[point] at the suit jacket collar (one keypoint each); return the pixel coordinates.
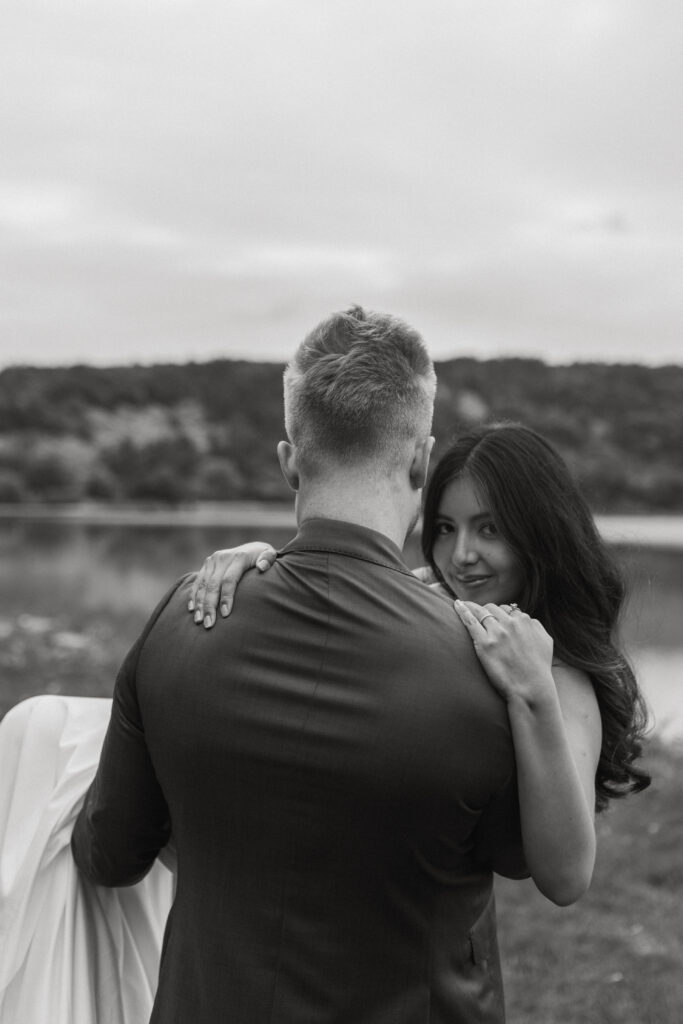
(341, 538)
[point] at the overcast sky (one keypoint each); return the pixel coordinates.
(190, 180)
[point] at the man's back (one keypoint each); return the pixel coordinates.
(326, 755)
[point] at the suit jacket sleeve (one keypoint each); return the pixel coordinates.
(498, 836)
(125, 820)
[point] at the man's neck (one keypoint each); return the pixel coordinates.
(374, 511)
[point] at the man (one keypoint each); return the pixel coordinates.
(336, 771)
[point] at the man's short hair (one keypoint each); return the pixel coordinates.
(360, 388)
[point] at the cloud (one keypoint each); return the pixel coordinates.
(186, 180)
(40, 207)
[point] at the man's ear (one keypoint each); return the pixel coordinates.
(420, 464)
(286, 454)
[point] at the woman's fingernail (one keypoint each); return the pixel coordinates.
(262, 565)
(197, 616)
(190, 605)
(225, 608)
(208, 621)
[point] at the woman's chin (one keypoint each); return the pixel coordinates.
(480, 595)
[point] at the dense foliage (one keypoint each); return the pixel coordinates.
(208, 431)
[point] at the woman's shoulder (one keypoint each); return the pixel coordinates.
(570, 676)
(577, 697)
(567, 671)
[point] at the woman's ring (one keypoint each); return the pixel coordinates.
(513, 608)
(489, 616)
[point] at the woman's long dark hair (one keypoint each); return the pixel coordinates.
(573, 585)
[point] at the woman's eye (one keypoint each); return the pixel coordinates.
(488, 530)
(443, 528)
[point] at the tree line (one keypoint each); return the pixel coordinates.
(207, 431)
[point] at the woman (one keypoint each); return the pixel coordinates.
(569, 580)
(508, 535)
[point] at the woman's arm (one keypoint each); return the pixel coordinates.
(556, 730)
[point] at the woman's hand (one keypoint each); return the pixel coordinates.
(515, 651)
(219, 575)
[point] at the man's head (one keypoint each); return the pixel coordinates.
(359, 398)
(359, 390)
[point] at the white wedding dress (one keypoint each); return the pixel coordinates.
(70, 952)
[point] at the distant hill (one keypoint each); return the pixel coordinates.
(208, 431)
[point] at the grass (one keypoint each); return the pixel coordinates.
(614, 958)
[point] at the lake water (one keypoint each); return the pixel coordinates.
(74, 595)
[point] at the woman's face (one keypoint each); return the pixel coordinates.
(472, 557)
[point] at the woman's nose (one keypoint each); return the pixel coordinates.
(464, 552)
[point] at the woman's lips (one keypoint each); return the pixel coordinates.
(471, 581)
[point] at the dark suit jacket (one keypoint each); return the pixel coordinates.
(338, 775)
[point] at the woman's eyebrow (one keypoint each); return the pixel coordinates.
(474, 519)
(485, 514)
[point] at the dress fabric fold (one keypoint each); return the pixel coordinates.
(70, 952)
